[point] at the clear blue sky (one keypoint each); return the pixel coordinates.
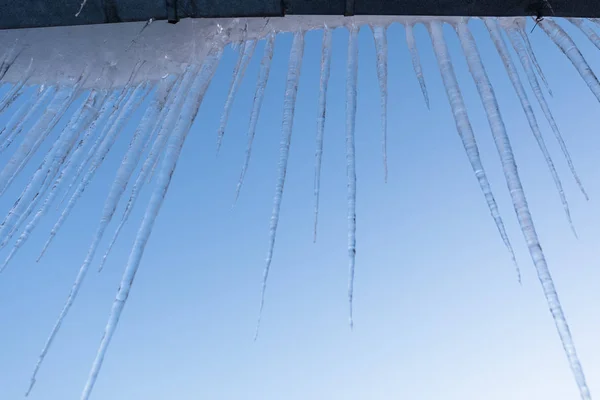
(438, 311)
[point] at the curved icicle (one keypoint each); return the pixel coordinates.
(515, 79)
(351, 82)
(531, 54)
(379, 34)
(289, 105)
(321, 112)
(517, 45)
(416, 60)
(176, 140)
(464, 129)
(174, 104)
(238, 74)
(589, 32)
(129, 108)
(509, 166)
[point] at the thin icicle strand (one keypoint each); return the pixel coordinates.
(589, 32)
(238, 74)
(351, 82)
(464, 129)
(80, 120)
(380, 36)
(569, 48)
(289, 106)
(416, 60)
(519, 48)
(259, 94)
(16, 90)
(173, 106)
(321, 112)
(129, 108)
(531, 54)
(173, 150)
(515, 79)
(488, 98)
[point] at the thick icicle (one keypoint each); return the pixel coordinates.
(531, 54)
(351, 82)
(569, 48)
(173, 150)
(259, 94)
(173, 106)
(515, 79)
(238, 74)
(416, 60)
(321, 112)
(464, 129)
(76, 125)
(289, 105)
(589, 32)
(379, 34)
(509, 166)
(517, 44)
(129, 108)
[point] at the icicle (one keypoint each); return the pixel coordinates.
(379, 34)
(464, 129)
(351, 82)
(517, 44)
(9, 60)
(25, 112)
(130, 162)
(488, 98)
(80, 8)
(289, 105)
(259, 93)
(173, 106)
(176, 140)
(129, 108)
(515, 79)
(569, 48)
(589, 32)
(238, 74)
(16, 90)
(416, 60)
(531, 55)
(79, 121)
(322, 110)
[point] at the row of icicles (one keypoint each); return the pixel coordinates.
(91, 131)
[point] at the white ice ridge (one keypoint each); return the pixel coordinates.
(112, 68)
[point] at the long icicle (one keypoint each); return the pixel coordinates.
(513, 181)
(289, 106)
(173, 107)
(78, 123)
(569, 49)
(173, 150)
(464, 129)
(520, 27)
(380, 36)
(16, 90)
(321, 112)
(351, 82)
(589, 32)
(129, 108)
(416, 60)
(259, 94)
(517, 45)
(238, 75)
(492, 27)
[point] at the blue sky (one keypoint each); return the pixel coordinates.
(438, 311)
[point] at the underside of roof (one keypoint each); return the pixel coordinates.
(43, 13)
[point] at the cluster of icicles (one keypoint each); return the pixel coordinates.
(91, 131)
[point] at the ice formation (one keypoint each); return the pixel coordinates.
(175, 72)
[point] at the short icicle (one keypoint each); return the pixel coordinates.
(464, 129)
(238, 74)
(173, 150)
(321, 112)
(509, 166)
(416, 60)
(16, 90)
(520, 27)
(289, 105)
(381, 52)
(351, 83)
(519, 48)
(587, 31)
(492, 27)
